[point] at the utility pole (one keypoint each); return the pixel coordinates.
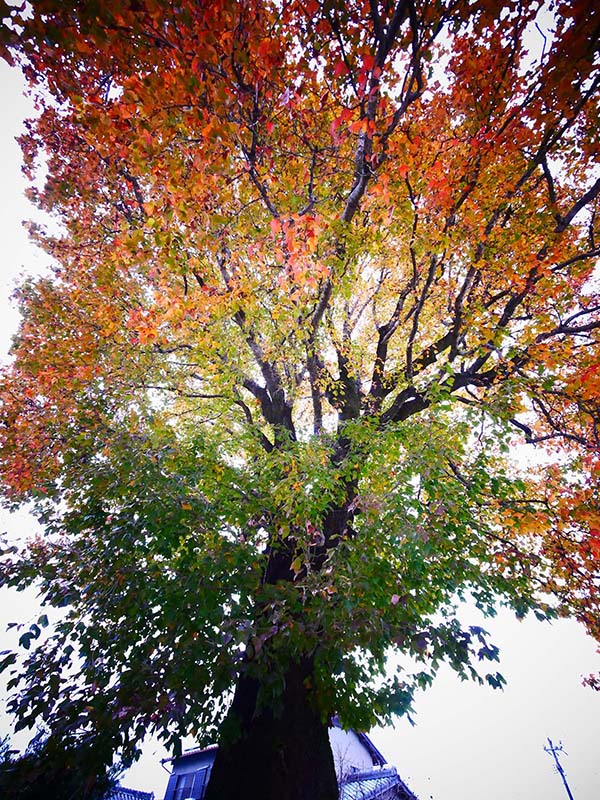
(553, 750)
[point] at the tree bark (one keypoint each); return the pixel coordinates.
(274, 756)
(280, 753)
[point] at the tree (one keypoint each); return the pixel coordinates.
(80, 769)
(318, 267)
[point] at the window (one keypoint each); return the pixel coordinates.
(191, 785)
(183, 787)
(200, 782)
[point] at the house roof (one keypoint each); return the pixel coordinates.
(122, 793)
(376, 784)
(192, 751)
(378, 758)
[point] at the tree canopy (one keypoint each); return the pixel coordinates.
(319, 269)
(58, 770)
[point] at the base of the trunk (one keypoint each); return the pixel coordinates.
(284, 756)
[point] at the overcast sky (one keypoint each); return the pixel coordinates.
(469, 742)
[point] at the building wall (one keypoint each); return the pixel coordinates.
(349, 753)
(190, 776)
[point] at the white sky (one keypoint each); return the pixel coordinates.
(469, 743)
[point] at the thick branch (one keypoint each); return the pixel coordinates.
(564, 222)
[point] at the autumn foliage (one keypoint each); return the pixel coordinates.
(317, 356)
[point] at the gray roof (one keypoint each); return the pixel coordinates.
(376, 784)
(122, 793)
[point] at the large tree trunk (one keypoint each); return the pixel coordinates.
(283, 753)
(274, 756)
